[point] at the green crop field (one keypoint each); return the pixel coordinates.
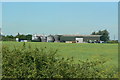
(102, 59)
(77, 51)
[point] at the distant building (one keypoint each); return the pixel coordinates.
(68, 38)
(39, 38)
(50, 38)
(80, 38)
(17, 39)
(21, 40)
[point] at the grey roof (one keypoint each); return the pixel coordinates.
(84, 35)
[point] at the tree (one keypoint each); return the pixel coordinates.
(104, 35)
(25, 37)
(93, 33)
(8, 38)
(20, 36)
(29, 37)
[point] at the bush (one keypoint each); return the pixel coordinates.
(30, 62)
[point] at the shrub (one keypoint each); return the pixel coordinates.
(30, 62)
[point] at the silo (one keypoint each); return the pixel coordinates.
(36, 38)
(50, 38)
(57, 38)
(43, 38)
(39, 39)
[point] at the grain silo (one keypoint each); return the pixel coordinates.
(36, 38)
(57, 38)
(50, 38)
(43, 39)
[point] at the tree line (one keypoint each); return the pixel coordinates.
(13, 38)
(104, 35)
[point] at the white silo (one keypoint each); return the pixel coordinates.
(50, 38)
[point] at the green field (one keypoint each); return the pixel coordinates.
(80, 51)
(37, 59)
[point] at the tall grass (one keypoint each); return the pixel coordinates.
(27, 62)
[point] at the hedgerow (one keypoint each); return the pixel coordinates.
(27, 62)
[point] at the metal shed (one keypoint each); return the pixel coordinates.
(85, 38)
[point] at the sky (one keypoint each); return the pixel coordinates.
(59, 18)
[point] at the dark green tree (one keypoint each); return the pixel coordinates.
(22, 36)
(104, 35)
(29, 37)
(93, 33)
(8, 38)
(13, 38)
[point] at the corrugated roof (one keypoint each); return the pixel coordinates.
(84, 35)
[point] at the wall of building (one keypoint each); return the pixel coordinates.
(91, 38)
(73, 38)
(67, 38)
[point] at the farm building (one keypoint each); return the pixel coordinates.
(67, 38)
(80, 38)
(21, 40)
(39, 38)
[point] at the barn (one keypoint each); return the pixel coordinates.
(80, 38)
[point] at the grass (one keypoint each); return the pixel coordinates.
(98, 54)
(77, 51)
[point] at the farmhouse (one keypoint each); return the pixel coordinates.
(67, 38)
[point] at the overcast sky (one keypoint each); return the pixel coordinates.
(60, 17)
